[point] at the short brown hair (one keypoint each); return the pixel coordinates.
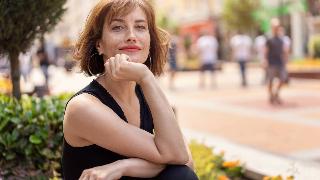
(85, 50)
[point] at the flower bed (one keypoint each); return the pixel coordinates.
(209, 165)
(305, 68)
(304, 65)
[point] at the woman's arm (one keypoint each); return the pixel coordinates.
(190, 162)
(167, 131)
(88, 120)
(132, 167)
(135, 167)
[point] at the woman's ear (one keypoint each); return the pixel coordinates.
(98, 47)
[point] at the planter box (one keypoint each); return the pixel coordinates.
(312, 74)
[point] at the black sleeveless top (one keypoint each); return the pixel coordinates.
(77, 159)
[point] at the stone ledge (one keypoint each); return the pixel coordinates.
(312, 74)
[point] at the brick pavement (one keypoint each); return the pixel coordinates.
(243, 115)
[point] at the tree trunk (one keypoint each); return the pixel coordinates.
(15, 73)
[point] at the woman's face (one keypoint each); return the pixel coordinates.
(126, 35)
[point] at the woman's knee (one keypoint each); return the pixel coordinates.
(176, 172)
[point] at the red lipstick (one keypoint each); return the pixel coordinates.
(130, 48)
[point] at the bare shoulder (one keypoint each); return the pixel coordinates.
(81, 103)
(84, 108)
(80, 111)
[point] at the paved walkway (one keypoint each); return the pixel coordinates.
(244, 115)
(285, 135)
(241, 116)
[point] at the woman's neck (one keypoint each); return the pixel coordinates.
(123, 91)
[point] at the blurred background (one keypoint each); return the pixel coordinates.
(226, 108)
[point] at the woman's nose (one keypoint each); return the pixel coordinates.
(131, 35)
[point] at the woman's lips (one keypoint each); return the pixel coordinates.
(130, 48)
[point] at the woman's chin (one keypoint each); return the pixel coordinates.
(136, 60)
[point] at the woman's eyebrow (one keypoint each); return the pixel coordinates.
(140, 21)
(116, 19)
(136, 21)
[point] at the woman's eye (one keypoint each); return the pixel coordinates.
(141, 27)
(117, 28)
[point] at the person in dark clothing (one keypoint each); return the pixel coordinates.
(44, 63)
(172, 58)
(276, 56)
(121, 125)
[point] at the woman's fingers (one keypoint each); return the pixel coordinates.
(83, 175)
(112, 67)
(125, 57)
(121, 68)
(117, 66)
(108, 67)
(92, 177)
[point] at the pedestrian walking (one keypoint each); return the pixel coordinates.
(241, 46)
(276, 60)
(172, 59)
(207, 47)
(259, 47)
(44, 63)
(25, 65)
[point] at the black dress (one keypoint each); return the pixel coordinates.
(77, 159)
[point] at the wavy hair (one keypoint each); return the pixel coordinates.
(91, 63)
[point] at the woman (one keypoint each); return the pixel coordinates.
(108, 126)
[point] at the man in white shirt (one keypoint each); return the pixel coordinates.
(241, 52)
(207, 46)
(259, 47)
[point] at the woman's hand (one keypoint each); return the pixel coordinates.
(111, 171)
(120, 68)
(132, 167)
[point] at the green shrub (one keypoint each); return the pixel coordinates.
(317, 49)
(211, 166)
(314, 46)
(31, 135)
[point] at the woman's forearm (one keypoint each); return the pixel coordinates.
(134, 167)
(168, 136)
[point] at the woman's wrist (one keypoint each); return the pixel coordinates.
(135, 167)
(120, 167)
(145, 77)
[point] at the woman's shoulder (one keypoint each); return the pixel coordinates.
(83, 112)
(84, 109)
(89, 94)
(82, 102)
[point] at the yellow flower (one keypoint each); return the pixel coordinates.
(230, 164)
(275, 178)
(223, 177)
(222, 153)
(290, 178)
(266, 178)
(5, 85)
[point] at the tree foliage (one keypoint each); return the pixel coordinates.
(238, 14)
(22, 21)
(266, 12)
